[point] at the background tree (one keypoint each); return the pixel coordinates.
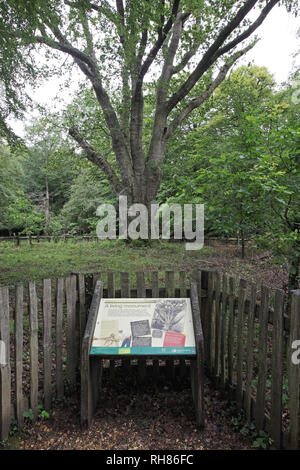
(21, 215)
(88, 189)
(10, 181)
(278, 173)
(50, 166)
(242, 161)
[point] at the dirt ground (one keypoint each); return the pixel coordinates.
(257, 266)
(133, 416)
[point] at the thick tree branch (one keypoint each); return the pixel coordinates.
(98, 159)
(187, 57)
(161, 38)
(215, 50)
(117, 136)
(158, 140)
(142, 46)
(121, 27)
(265, 11)
(196, 102)
(65, 47)
(88, 35)
(168, 63)
(136, 127)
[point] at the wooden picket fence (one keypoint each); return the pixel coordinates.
(248, 342)
(248, 339)
(42, 325)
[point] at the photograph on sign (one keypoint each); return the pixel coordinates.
(144, 326)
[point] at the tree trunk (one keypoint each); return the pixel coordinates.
(47, 207)
(243, 243)
(293, 282)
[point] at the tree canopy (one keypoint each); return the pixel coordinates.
(184, 47)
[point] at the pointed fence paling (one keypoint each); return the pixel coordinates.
(42, 325)
(248, 341)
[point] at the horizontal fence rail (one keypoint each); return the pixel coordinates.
(33, 239)
(248, 341)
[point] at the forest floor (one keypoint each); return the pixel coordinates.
(134, 416)
(52, 260)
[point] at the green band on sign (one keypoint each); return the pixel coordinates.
(96, 350)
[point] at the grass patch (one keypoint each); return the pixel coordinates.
(52, 260)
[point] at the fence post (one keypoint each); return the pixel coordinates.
(250, 350)
(217, 344)
(89, 367)
(231, 322)
(203, 309)
(5, 374)
(81, 306)
(71, 330)
(59, 337)
(262, 358)
(169, 282)
(47, 346)
(240, 342)
(294, 371)
(277, 350)
(208, 314)
(19, 353)
(223, 331)
(110, 284)
(197, 365)
(34, 348)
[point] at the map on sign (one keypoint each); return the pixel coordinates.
(144, 326)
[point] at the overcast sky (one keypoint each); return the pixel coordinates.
(275, 50)
(277, 45)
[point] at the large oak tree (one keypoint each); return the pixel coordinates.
(122, 45)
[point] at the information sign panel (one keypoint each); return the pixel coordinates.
(144, 327)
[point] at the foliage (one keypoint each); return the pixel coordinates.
(10, 180)
(278, 174)
(43, 415)
(242, 162)
(260, 439)
(183, 48)
(88, 191)
(28, 415)
(22, 215)
(263, 441)
(49, 163)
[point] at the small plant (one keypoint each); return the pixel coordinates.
(236, 422)
(238, 418)
(263, 441)
(44, 415)
(13, 427)
(248, 430)
(28, 415)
